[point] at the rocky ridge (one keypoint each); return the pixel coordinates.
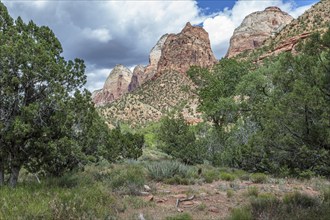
(191, 47)
(172, 53)
(114, 87)
(256, 28)
(315, 19)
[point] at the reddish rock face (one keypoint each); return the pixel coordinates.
(138, 78)
(174, 52)
(256, 28)
(188, 48)
(287, 45)
(114, 87)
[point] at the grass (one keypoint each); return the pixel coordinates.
(39, 201)
(293, 206)
(259, 178)
(169, 171)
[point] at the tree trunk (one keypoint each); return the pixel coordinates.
(14, 176)
(2, 173)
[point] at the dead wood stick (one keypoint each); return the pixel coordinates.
(183, 200)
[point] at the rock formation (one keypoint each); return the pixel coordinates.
(256, 28)
(114, 87)
(188, 48)
(154, 57)
(174, 52)
(138, 78)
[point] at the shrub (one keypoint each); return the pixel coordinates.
(227, 176)
(183, 216)
(210, 175)
(167, 169)
(230, 193)
(240, 214)
(177, 180)
(252, 191)
(298, 199)
(127, 179)
(259, 178)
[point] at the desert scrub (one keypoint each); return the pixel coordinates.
(227, 176)
(211, 175)
(183, 216)
(293, 206)
(230, 193)
(259, 178)
(42, 201)
(252, 191)
(162, 170)
(127, 179)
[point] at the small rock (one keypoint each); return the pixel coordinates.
(187, 203)
(141, 217)
(147, 188)
(214, 209)
(309, 188)
(180, 210)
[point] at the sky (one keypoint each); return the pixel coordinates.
(108, 32)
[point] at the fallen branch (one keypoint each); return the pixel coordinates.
(183, 200)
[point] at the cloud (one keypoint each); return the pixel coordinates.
(221, 27)
(106, 33)
(102, 35)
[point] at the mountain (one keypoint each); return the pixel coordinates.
(191, 47)
(114, 87)
(315, 19)
(172, 52)
(162, 85)
(256, 28)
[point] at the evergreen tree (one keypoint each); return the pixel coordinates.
(46, 119)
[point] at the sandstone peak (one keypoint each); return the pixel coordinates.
(114, 87)
(190, 47)
(256, 28)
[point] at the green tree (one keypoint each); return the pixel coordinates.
(129, 145)
(289, 102)
(44, 113)
(178, 140)
(219, 101)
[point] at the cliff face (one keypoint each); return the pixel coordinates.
(188, 48)
(256, 28)
(174, 52)
(114, 87)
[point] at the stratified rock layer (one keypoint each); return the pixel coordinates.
(191, 47)
(256, 28)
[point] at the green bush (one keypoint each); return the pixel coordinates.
(211, 175)
(183, 216)
(252, 191)
(230, 193)
(162, 170)
(259, 178)
(240, 214)
(298, 199)
(227, 176)
(177, 180)
(128, 179)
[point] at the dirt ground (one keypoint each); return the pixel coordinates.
(214, 200)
